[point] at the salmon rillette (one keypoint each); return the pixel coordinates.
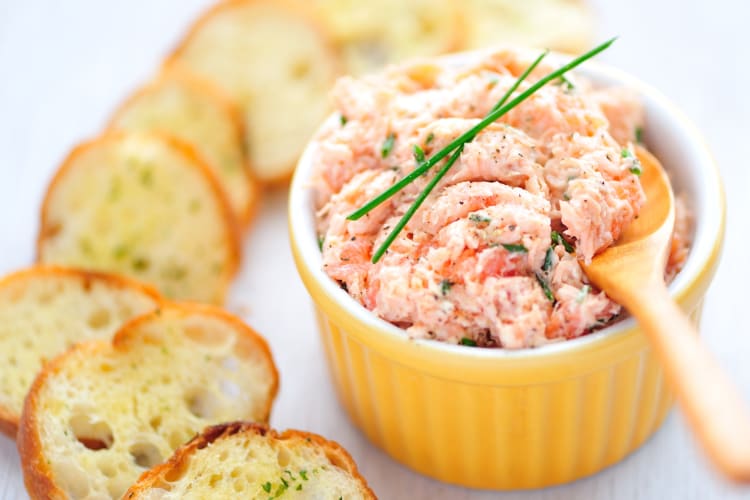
(492, 257)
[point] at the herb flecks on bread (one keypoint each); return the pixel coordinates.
(243, 460)
(278, 65)
(44, 310)
(104, 412)
(195, 111)
(143, 205)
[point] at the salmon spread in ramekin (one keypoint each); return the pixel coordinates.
(492, 256)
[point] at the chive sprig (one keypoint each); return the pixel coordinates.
(456, 145)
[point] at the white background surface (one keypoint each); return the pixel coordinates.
(64, 66)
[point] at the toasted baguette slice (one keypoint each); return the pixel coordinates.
(146, 206)
(44, 310)
(270, 57)
(243, 460)
(102, 413)
(372, 34)
(565, 25)
(197, 112)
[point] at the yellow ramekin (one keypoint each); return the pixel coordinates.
(500, 419)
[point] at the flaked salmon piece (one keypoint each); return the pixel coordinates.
(624, 112)
(459, 200)
(579, 310)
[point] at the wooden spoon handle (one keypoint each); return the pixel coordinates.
(713, 406)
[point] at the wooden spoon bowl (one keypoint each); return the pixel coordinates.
(631, 272)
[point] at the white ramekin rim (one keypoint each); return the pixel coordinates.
(680, 148)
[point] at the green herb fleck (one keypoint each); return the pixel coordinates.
(639, 135)
(321, 240)
(515, 248)
(280, 490)
(418, 154)
(115, 189)
(175, 272)
(267, 487)
(558, 239)
(467, 341)
(545, 288)
(563, 81)
(636, 168)
(583, 293)
(388, 145)
(147, 177)
(299, 487)
(445, 287)
(140, 264)
(303, 474)
(343, 119)
(283, 481)
(479, 218)
(84, 244)
(430, 138)
(548, 259)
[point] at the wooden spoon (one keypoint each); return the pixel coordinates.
(631, 272)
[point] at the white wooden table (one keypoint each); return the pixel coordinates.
(65, 65)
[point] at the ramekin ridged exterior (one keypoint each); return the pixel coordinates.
(500, 419)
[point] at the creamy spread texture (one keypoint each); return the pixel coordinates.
(491, 257)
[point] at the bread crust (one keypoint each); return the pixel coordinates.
(9, 419)
(203, 86)
(213, 433)
(300, 10)
(37, 473)
(194, 159)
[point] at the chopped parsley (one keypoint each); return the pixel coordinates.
(267, 487)
(548, 259)
(636, 168)
(445, 287)
(147, 177)
(430, 138)
(120, 251)
(343, 119)
(583, 293)
(321, 240)
(467, 341)
(564, 82)
(418, 154)
(140, 264)
(545, 288)
(558, 239)
(387, 145)
(299, 487)
(479, 218)
(303, 474)
(515, 248)
(639, 135)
